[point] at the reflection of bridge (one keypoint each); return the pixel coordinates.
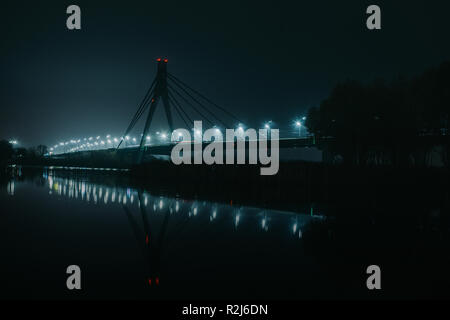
(158, 222)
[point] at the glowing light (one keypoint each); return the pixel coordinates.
(159, 59)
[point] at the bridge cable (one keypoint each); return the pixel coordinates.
(190, 104)
(180, 107)
(179, 112)
(172, 77)
(143, 105)
(200, 104)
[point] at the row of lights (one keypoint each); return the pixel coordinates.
(97, 143)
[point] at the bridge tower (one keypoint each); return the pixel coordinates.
(160, 93)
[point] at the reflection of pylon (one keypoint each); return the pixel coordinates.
(160, 92)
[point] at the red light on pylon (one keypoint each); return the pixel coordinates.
(146, 239)
(149, 281)
(166, 60)
(159, 59)
(157, 281)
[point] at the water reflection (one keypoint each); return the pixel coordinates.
(10, 187)
(161, 225)
(77, 187)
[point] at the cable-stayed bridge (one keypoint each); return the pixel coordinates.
(182, 102)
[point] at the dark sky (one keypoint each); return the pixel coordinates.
(263, 60)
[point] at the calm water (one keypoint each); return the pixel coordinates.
(123, 239)
(135, 243)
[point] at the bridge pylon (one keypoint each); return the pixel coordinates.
(160, 92)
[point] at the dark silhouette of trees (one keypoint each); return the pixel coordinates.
(6, 152)
(386, 124)
(41, 150)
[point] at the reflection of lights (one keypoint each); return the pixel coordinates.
(194, 211)
(264, 224)
(10, 187)
(177, 206)
(294, 228)
(236, 219)
(161, 204)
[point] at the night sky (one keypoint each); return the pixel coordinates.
(263, 60)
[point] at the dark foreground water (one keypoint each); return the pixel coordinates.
(134, 243)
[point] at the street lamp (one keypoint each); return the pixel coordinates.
(298, 124)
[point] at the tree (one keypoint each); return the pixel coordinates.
(41, 150)
(376, 123)
(6, 151)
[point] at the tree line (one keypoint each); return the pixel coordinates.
(8, 153)
(399, 123)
